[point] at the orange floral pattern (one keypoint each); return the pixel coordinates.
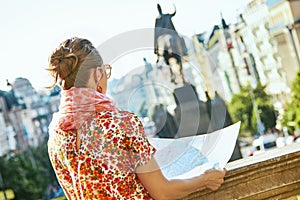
(112, 145)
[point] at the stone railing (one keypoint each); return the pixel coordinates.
(274, 174)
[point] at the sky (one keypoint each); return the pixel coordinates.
(32, 29)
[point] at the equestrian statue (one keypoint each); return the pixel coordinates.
(169, 45)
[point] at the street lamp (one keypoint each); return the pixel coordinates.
(290, 28)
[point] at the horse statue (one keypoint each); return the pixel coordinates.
(169, 45)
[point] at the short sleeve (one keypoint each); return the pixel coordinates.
(141, 151)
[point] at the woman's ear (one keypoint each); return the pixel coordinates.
(97, 74)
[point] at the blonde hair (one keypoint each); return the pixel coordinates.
(71, 61)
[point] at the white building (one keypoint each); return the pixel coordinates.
(246, 53)
(282, 17)
(259, 42)
(225, 66)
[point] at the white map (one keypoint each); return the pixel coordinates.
(191, 156)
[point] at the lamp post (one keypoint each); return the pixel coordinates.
(260, 125)
(290, 29)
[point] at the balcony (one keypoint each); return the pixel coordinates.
(274, 174)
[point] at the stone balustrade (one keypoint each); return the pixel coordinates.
(274, 174)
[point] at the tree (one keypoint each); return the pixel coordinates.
(292, 109)
(265, 107)
(241, 109)
(27, 179)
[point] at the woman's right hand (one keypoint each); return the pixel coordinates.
(214, 178)
(161, 188)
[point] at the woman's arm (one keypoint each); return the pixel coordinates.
(161, 188)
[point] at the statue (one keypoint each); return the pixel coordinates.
(169, 45)
(165, 123)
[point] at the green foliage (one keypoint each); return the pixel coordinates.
(241, 109)
(292, 109)
(28, 173)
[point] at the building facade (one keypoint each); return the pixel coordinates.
(257, 39)
(285, 32)
(246, 53)
(25, 116)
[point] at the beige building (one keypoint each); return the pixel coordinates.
(285, 32)
(259, 42)
(212, 78)
(247, 53)
(215, 63)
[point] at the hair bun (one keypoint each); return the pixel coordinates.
(68, 57)
(63, 64)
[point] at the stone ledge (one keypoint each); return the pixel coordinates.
(274, 174)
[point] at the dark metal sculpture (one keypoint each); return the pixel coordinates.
(165, 122)
(169, 45)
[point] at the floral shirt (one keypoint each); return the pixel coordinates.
(112, 145)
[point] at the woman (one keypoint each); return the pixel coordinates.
(97, 150)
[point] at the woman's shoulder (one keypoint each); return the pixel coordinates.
(121, 119)
(117, 115)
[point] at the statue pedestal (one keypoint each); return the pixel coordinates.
(196, 117)
(191, 113)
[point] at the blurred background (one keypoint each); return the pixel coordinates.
(242, 56)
